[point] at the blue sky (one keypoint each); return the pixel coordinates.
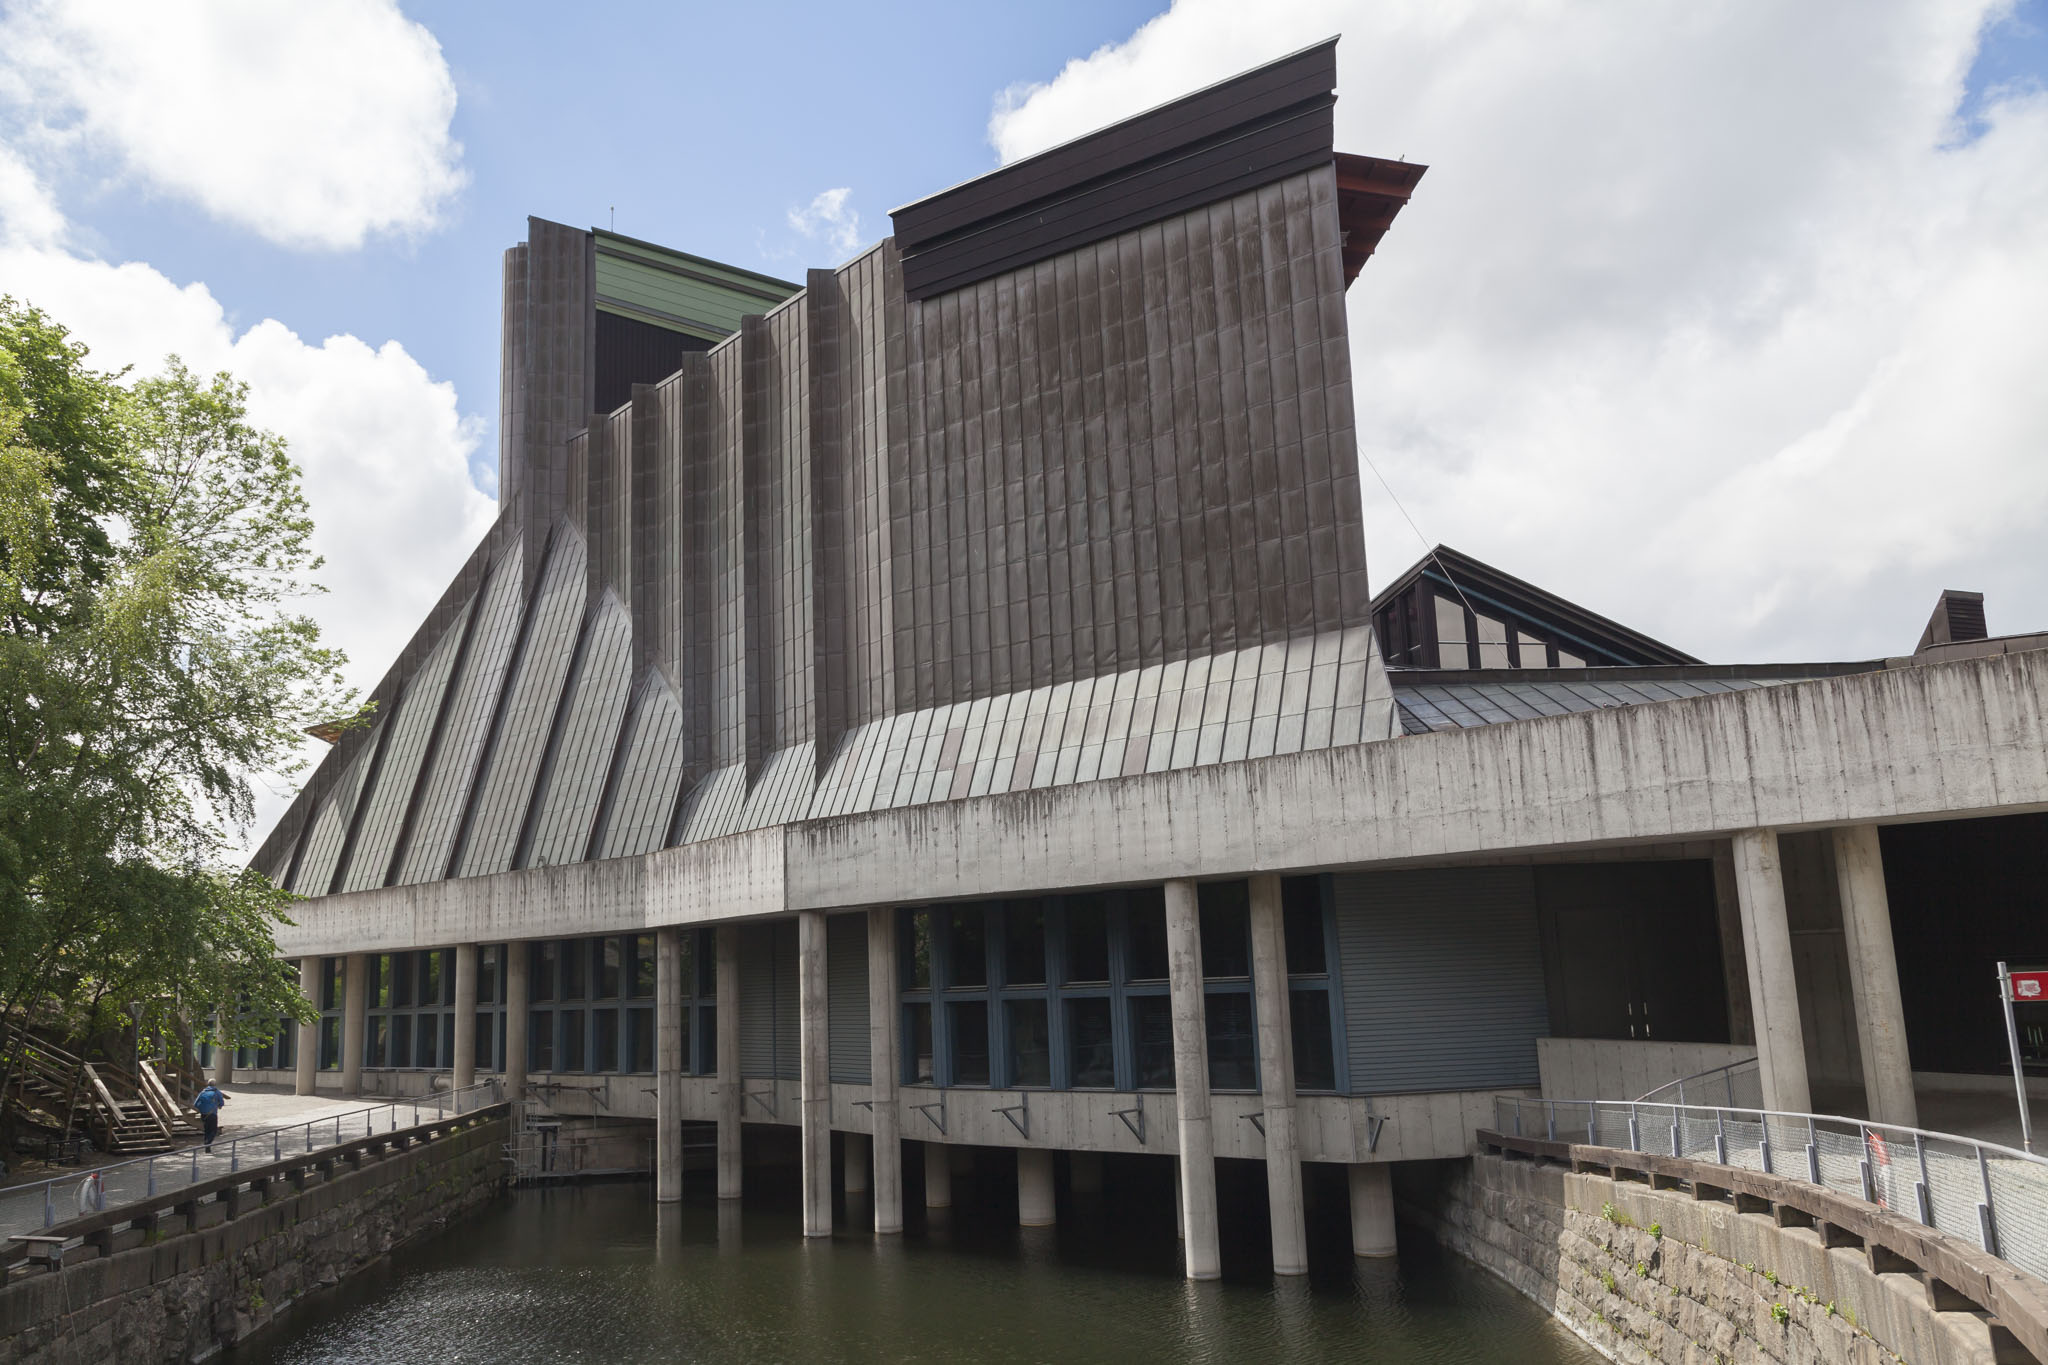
(703, 125)
(1725, 320)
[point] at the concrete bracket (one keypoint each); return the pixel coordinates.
(926, 1109)
(1019, 1115)
(1137, 1128)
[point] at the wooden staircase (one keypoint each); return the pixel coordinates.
(126, 1115)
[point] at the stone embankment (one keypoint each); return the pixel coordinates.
(1655, 1275)
(177, 1279)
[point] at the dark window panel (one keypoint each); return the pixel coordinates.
(540, 1040)
(966, 947)
(487, 975)
(607, 969)
(968, 1020)
(1087, 939)
(1226, 930)
(1091, 1055)
(1152, 1041)
(401, 1038)
(1315, 1058)
(542, 959)
(1146, 941)
(1024, 943)
(573, 1057)
(646, 963)
(1233, 1048)
(917, 952)
(917, 1044)
(486, 1034)
(1030, 1043)
(573, 959)
(640, 1039)
(1301, 903)
(604, 1027)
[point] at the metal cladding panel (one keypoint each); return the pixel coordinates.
(768, 1001)
(574, 782)
(1232, 136)
(391, 791)
(650, 774)
(315, 874)
(452, 767)
(1131, 453)
(712, 808)
(516, 751)
(631, 352)
(1442, 978)
(846, 989)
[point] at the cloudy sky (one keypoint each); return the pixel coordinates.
(1729, 321)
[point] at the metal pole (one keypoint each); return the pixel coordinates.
(1721, 1137)
(1635, 1132)
(1813, 1150)
(2012, 1041)
(1922, 1189)
(1987, 1218)
(152, 1178)
(49, 1210)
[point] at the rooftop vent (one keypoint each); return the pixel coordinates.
(1958, 616)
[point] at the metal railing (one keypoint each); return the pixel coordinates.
(32, 1207)
(1995, 1197)
(1731, 1083)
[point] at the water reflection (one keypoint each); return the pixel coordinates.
(599, 1273)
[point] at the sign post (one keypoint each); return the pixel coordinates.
(2030, 987)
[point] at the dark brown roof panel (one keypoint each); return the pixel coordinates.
(1241, 133)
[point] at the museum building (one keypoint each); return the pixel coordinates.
(933, 718)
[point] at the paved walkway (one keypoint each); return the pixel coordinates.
(250, 1136)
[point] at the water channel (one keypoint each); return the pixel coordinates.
(594, 1273)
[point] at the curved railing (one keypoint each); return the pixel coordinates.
(29, 1208)
(1993, 1196)
(1715, 1083)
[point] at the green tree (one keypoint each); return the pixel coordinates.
(154, 547)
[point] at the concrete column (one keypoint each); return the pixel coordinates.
(1773, 989)
(883, 1060)
(938, 1176)
(308, 1055)
(668, 1066)
(730, 1092)
(856, 1163)
(814, 1072)
(518, 963)
(1191, 1082)
(1734, 969)
(463, 1064)
(1276, 1078)
(1372, 1209)
(355, 1009)
(1874, 976)
(224, 1055)
(1035, 1206)
(1084, 1172)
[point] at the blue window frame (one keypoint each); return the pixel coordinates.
(592, 1004)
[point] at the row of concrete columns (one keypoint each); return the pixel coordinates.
(1873, 974)
(1766, 950)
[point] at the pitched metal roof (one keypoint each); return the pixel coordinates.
(1432, 700)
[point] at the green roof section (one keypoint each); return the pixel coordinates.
(676, 290)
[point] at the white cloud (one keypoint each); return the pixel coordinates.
(383, 445)
(1708, 317)
(313, 124)
(828, 219)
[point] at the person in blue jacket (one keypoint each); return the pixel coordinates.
(208, 1103)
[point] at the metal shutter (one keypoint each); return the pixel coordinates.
(1442, 978)
(846, 987)
(757, 1000)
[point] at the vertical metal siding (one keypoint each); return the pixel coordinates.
(653, 769)
(757, 1000)
(1442, 978)
(597, 704)
(846, 984)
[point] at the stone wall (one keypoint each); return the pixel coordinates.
(243, 1260)
(1659, 1276)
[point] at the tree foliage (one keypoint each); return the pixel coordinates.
(154, 547)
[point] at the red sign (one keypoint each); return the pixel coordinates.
(2030, 987)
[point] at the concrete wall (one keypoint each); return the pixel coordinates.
(1649, 1275)
(185, 1296)
(1620, 1069)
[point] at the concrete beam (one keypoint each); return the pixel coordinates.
(882, 1070)
(814, 1063)
(1945, 741)
(1276, 1078)
(1874, 976)
(1191, 1082)
(1773, 987)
